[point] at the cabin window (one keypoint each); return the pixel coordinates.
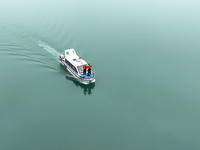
(74, 68)
(67, 53)
(68, 63)
(80, 69)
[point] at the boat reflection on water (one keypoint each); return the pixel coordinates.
(87, 89)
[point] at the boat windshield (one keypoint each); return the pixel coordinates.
(80, 69)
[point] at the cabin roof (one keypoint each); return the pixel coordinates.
(73, 58)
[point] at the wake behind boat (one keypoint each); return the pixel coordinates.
(76, 66)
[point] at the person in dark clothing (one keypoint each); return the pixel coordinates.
(89, 69)
(84, 69)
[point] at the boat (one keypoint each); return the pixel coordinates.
(74, 64)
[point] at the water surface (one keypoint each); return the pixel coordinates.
(146, 59)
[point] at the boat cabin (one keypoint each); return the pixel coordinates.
(74, 61)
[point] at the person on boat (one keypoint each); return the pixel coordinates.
(84, 69)
(89, 69)
(74, 69)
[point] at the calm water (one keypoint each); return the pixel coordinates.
(146, 58)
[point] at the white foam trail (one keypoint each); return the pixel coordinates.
(48, 48)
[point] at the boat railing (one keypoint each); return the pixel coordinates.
(93, 75)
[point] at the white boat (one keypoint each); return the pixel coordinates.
(74, 64)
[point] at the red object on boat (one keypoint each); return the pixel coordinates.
(79, 57)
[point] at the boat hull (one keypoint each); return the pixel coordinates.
(81, 77)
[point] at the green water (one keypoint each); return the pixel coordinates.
(145, 55)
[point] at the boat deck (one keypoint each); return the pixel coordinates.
(86, 75)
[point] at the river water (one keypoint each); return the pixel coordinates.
(145, 55)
